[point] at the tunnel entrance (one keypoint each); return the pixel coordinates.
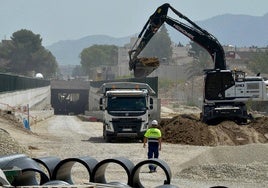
(69, 97)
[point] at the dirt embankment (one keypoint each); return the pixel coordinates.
(188, 129)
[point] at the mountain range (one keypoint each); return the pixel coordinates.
(236, 30)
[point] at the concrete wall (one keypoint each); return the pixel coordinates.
(38, 100)
(31, 97)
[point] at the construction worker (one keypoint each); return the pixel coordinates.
(153, 137)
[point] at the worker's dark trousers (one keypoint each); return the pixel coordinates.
(153, 153)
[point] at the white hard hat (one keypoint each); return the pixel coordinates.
(154, 122)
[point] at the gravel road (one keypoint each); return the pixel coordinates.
(192, 166)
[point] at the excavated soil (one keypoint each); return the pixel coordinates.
(188, 129)
(152, 61)
(144, 66)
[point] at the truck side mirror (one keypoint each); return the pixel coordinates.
(151, 103)
(101, 104)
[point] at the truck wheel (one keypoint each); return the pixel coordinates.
(242, 121)
(107, 139)
(202, 118)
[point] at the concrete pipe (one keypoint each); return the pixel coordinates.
(135, 181)
(5, 159)
(167, 186)
(56, 182)
(118, 185)
(63, 169)
(29, 169)
(99, 170)
(49, 163)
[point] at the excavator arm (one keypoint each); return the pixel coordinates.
(142, 67)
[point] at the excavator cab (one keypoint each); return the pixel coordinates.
(216, 83)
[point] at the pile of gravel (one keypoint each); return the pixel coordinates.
(8, 145)
(247, 163)
(251, 173)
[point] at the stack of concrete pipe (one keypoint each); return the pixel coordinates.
(58, 172)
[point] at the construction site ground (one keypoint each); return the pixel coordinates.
(199, 155)
(186, 128)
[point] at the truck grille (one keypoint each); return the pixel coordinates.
(127, 124)
(126, 113)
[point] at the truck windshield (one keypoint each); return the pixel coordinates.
(126, 103)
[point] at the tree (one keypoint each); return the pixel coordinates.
(159, 46)
(258, 62)
(5, 52)
(25, 55)
(44, 62)
(25, 44)
(98, 55)
(202, 60)
(78, 71)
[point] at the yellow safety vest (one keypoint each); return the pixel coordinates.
(153, 134)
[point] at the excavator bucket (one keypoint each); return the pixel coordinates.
(145, 66)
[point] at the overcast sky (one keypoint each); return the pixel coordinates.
(57, 20)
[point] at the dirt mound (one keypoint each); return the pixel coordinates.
(188, 129)
(185, 129)
(8, 145)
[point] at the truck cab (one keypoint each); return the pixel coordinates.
(126, 111)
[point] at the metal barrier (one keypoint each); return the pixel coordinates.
(11, 82)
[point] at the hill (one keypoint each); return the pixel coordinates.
(67, 52)
(237, 30)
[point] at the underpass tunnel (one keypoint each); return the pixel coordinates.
(69, 97)
(69, 102)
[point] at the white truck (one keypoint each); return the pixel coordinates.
(127, 109)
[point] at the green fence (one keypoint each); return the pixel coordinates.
(9, 82)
